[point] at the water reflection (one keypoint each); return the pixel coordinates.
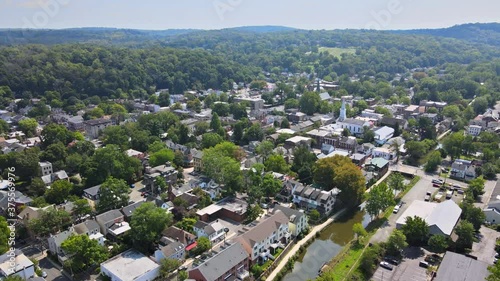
(331, 240)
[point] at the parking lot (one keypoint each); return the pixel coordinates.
(484, 249)
(53, 273)
(135, 193)
(407, 270)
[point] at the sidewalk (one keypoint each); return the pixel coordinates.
(295, 248)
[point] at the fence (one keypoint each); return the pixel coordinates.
(278, 259)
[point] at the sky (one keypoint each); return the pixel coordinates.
(217, 14)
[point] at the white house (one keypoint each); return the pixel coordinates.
(212, 231)
(308, 198)
(46, 168)
(492, 211)
(55, 242)
(463, 169)
(172, 250)
(383, 134)
(269, 234)
(90, 228)
(384, 152)
(297, 220)
(474, 130)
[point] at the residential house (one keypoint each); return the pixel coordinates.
(474, 130)
(136, 154)
(384, 152)
(297, 220)
(383, 134)
(492, 211)
(76, 123)
(112, 222)
(228, 208)
(55, 242)
(29, 213)
(186, 152)
(433, 104)
(303, 126)
(128, 210)
(366, 148)
(94, 127)
(197, 159)
(130, 266)
(463, 169)
(59, 175)
(46, 168)
(393, 122)
(15, 263)
(410, 111)
(267, 236)
(210, 187)
(345, 143)
(307, 197)
(166, 171)
(92, 195)
(440, 217)
(358, 159)
(325, 96)
(164, 204)
(19, 200)
(214, 231)
(179, 235)
(434, 117)
(90, 228)
(229, 263)
(378, 166)
(296, 117)
(170, 250)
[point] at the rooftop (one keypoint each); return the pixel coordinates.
(222, 262)
(129, 265)
(21, 262)
(458, 267)
(298, 139)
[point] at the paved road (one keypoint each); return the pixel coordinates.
(52, 272)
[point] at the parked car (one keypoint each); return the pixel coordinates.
(392, 260)
(428, 196)
(132, 186)
(44, 274)
(449, 194)
(423, 264)
(438, 181)
(436, 185)
(386, 265)
(397, 207)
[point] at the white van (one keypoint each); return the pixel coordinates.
(449, 194)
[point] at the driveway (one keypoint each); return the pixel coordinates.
(484, 249)
(52, 272)
(416, 193)
(135, 193)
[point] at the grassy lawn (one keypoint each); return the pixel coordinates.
(337, 52)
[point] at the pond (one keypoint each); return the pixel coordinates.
(330, 242)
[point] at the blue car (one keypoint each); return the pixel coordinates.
(132, 186)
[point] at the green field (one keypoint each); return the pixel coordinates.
(337, 52)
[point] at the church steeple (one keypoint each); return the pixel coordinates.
(342, 115)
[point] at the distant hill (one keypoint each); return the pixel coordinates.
(485, 33)
(263, 29)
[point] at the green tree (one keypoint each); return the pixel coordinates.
(168, 265)
(210, 140)
(114, 194)
(303, 162)
(314, 215)
(156, 146)
(201, 128)
(433, 162)
(49, 221)
(465, 232)
(37, 187)
(254, 212)
(84, 252)
(494, 272)
(164, 99)
(203, 244)
(221, 109)
(271, 186)
(265, 149)
(81, 208)
(53, 133)
(254, 133)
(4, 235)
(396, 182)
(368, 135)
(147, 223)
(58, 192)
(473, 214)
(13, 278)
(276, 163)
(380, 198)
(453, 145)
(309, 103)
(221, 163)
(4, 126)
(438, 243)
(416, 231)
(28, 126)
(359, 231)
(215, 123)
(186, 224)
(476, 187)
(161, 157)
(285, 124)
(55, 153)
(116, 135)
(396, 243)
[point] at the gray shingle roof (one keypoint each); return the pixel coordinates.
(458, 267)
(128, 210)
(86, 226)
(109, 216)
(290, 212)
(93, 191)
(221, 263)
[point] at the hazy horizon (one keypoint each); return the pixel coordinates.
(220, 14)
